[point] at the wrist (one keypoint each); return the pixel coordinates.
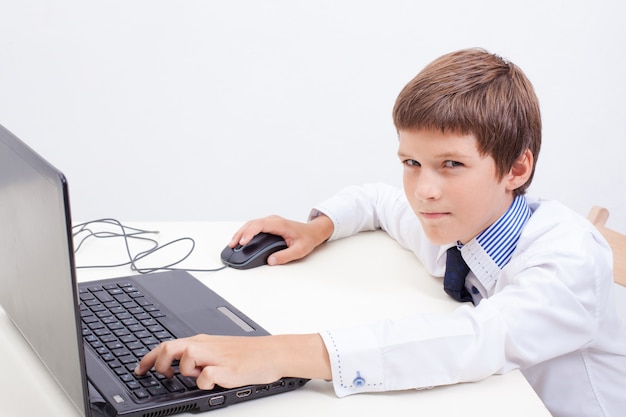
(323, 228)
(303, 356)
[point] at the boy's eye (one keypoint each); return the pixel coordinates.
(452, 164)
(411, 162)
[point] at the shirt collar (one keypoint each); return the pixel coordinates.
(492, 249)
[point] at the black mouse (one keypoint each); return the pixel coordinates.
(253, 253)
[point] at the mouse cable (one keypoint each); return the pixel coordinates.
(83, 231)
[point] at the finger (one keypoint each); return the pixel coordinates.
(282, 257)
(206, 379)
(234, 240)
(250, 232)
(147, 362)
(246, 233)
(168, 352)
(292, 253)
(188, 365)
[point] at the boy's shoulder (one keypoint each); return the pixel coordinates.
(553, 223)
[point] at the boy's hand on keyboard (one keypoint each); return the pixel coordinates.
(230, 361)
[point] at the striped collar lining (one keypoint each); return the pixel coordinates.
(500, 239)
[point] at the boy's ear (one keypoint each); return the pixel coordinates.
(520, 171)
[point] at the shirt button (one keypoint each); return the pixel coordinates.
(359, 381)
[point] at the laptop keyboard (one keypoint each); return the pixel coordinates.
(121, 325)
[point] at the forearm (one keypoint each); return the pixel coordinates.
(303, 356)
(356, 209)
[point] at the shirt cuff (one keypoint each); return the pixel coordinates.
(355, 361)
(318, 211)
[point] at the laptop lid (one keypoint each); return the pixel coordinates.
(34, 217)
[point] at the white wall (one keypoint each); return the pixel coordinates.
(234, 109)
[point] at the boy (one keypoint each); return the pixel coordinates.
(536, 280)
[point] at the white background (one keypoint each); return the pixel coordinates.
(234, 109)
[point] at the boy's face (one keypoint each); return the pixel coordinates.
(453, 190)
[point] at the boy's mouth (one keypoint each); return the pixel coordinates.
(433, 215)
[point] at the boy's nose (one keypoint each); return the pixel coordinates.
(426, 188)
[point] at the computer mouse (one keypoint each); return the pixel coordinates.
(254, 253)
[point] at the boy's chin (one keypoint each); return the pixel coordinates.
(436, 237)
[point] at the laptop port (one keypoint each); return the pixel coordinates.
(262, 389)
(244, 393)
(278, 384)
(219, 400)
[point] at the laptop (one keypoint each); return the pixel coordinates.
(91, 335)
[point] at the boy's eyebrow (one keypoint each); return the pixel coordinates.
(451, 155)
(443, 155)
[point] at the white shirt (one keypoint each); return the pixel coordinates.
(551, 313)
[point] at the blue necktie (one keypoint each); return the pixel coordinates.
(454, 277)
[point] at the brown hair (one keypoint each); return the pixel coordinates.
(475, 92)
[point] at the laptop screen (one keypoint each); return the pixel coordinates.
(37, 289)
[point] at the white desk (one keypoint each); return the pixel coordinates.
(356, 280)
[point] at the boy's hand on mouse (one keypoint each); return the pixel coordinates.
(230, 361)
(301, 238)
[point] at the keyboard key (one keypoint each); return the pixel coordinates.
(141, 352)
(115, 364)
(149, 322)
(126, 377)
(173, 385)
(141, 394)
(133, 384)
(120, 352)
(142, 316)
(188, 381)
(143, 335)
(102, 332)
(121, 333)
(136, 344)
(149, 382)
(115, 345)
(158, 390)
(95, 325)
(163, 335)
(128, 359)
(103, 296)
(128, 338)
(122, 298)
(143, 301)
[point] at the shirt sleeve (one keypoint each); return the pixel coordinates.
(417, 352)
